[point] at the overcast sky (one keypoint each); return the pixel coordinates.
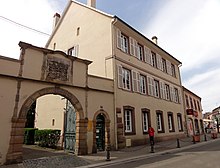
(189, 30)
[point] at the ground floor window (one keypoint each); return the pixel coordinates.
(179, 121)
(145, 119)
(170, 122)
(129, 120)
(160, 125)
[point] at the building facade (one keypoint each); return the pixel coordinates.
(193, 111)
(147, 83)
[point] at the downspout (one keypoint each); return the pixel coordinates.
(114, 79)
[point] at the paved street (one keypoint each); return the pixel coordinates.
(204, 156)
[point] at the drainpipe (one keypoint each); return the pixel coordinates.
(114, 79)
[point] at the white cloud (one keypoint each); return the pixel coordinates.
(189, 30)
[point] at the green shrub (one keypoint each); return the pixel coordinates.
(29, 134)
(47, 138)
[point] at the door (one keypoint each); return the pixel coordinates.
(70, 128)
(100, 132)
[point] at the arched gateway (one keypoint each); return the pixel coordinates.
(40, 72)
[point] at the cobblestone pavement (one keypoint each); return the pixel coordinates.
(35, 157)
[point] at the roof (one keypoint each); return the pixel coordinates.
(107, 15)
(27, 45)
(184, 88)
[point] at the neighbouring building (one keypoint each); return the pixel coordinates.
(193, 112)
(146, 78)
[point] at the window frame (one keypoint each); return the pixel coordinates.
(167, 92)
(173, 70)
(145, 124)
(171, 126)
(180, 122)
(176, 95)
(140, 52)
(126, 77)
(132, 122)
(187, 100)
(161, 122)
(143, 84)
(157, 88)
(124, 43)
(164, 65)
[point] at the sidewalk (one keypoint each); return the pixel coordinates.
(65, 160)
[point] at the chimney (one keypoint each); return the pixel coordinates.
(154, 39)
(91, 3)
(56, 19)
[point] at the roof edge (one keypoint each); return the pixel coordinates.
(117, 18)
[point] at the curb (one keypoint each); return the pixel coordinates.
(149, 155)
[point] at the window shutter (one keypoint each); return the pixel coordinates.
(138, 82)
(159, 62)
(172, 94)
(150, 86)
(120, 77)
(132, 46)
(135, 48)
(118, 38)
(134, 81)
(147, 55)
(162, 94)
(180, 96)
(169, 71)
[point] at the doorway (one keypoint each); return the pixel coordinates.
(100, 132)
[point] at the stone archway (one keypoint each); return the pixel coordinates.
(14, 154)
(107, 129)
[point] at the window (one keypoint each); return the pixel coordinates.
(150, 86)
(157, 88)
(140, 52)
(167, 91)
(187, 101)
(129, 120)
(122, 41)
(176, 95)
(173, 71)
(170, 122)
(154, 60)
(53, 122)
(179, 121)
(191, 102)
(124, 78)
(164, 65)
(73, 51)
(160, 127)
(146, 119)
(142, 84)
(195, 106)
(198, 104)
(77, 31)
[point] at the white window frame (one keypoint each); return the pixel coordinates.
(140, 52)
(159, 122)
(128, 120)
(167, 91)
(173, 70)
(145, 121)
(170, 122)
(143, 87)
(124, 43)
(179, 121)
(157, 88)
(176, 95)
(154, 59)
(150, 85)
(164, 65)
(73, 51)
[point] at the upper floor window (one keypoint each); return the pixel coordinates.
(167, 92)
(154, 60)
(122, 41)
(187, 101)
(124, 78)
(191, 102)
(176, 95)
(164, 65)
(195, 104)
(73, 51)
(198, 104)
(173, 70)
(142, 84)
(157, 88)
(78, 31)
(140, 52)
